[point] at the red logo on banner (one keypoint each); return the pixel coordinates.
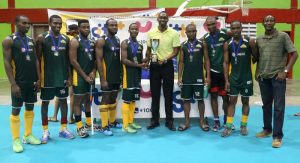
(146, 28)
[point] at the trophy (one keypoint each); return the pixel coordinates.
(154, 46)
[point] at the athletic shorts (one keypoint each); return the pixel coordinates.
(131, 94)
(82, 88)
(111, 87)
(217, 84)
(48, 94)
(28, 95)
(245, 90)
(189, 92)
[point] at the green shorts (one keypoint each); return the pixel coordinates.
(131, 94)
(111, 87)
(82, 88)
(48, 94)
(189, 92)
(28, 96)
(245, 90)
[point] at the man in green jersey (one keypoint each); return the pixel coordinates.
(53, 52)
(215, 40)
(190, 75)
(238, 53)
(132, 59)
(109, 68)
(82, 58)
(22, 69)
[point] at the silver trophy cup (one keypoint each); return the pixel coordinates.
(154, 47)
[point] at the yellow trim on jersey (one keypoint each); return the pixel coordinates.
(124, 77)
(75, 78)
(104, 69)
(42, 72)
(13, 65)
(112, 105)
(104, 106)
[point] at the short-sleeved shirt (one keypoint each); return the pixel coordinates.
(273, 53)
(167, 41)
(215, 49)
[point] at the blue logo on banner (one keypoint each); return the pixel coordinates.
(176, 27)
(145, 74)
(176, 102)
(96, 95)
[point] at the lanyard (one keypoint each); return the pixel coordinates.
(191, 49)
(213, 43)
(134, 49)
(87, 45)
(236, 51)
(25, 46)
(53, 41)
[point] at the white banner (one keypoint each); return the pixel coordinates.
(69, 18)
(143, 108)
(145, 24)
(97, 22)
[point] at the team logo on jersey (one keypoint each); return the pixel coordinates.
(243, 46)
(62, 91)
(199, 80)
(63, 41)
(221, 39)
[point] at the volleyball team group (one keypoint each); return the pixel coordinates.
(57, 66)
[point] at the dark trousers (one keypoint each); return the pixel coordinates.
(163, 73)
(273, 90)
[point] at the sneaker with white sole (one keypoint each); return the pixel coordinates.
(30, 139)
(135, 126)
(129, 130)
(17, 146)
(106, 131)
(65, 133)
(45, 137)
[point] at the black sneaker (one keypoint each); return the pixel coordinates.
(244, 131)
(216, 126)
(227, 132)
(97, 128)
(106, 131)
(81, 132)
